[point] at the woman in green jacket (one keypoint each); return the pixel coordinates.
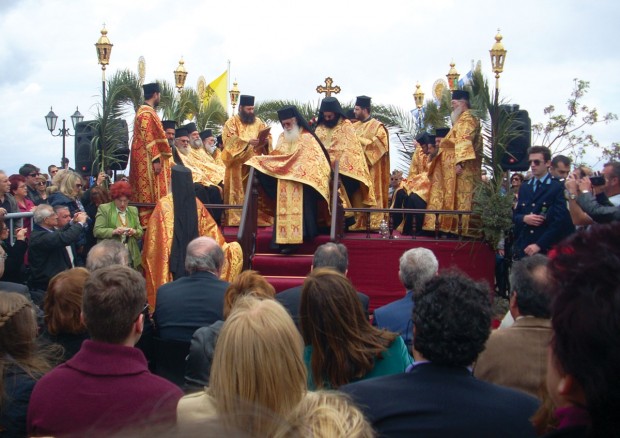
(117, 220)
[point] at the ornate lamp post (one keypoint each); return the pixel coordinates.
(104, 50)
(234, 96)
(180, 74)
(498, 56)
(418, 96)
(453, 77)
(51, 118)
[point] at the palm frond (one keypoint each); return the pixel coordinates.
(211, 115)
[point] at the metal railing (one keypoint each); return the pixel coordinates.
(13, 218)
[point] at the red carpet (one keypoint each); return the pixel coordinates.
(373, 263)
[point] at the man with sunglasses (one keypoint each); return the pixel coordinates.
(541, 218)
(31, 172)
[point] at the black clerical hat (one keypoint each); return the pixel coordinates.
(246, 100)
(169, 124)
(363, 101)
(460, 95)
(206, 134)
(151, 88)
(181, 132)
(191, 127)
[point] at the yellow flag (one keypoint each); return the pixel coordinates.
(218, 87)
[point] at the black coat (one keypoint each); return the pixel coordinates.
(187, 304)
(47, 253)
(440, 401)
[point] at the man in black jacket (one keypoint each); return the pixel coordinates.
(191, 302)
(50, 249)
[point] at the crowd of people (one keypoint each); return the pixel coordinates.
(98, 298)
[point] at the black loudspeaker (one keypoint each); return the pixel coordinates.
(120, 152)
(86, 156)
(515, 157)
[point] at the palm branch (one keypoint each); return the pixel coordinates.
(111, 134)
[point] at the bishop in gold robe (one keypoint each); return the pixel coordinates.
(241, 142)
(456, 171)
(302, 171)
(375, 141)
(151, 154)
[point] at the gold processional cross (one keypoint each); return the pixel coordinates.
(328, 89)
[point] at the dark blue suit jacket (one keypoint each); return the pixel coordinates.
(396, 317)
(548, 200)
(187, 304)
(441, 401)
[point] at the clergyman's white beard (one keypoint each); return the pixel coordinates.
(196, 143)
(184, 150)
(456, 113)
(293, 134)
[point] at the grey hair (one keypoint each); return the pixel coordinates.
(106, 253)
(204, 254)
(331, 255)
(528, 279)
(417, 266)
(41, 213)
(57, 208)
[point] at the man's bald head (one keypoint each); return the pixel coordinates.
(204, 254)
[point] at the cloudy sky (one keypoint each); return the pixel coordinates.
(283, 50)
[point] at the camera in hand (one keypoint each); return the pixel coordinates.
(597, 179)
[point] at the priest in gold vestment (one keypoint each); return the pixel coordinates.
(336, 133)
(414, 190)
(209, 143)
(177, 219)
(455, 171)
(150, 160)
(375, 141)
(241, 142)
(296, 174)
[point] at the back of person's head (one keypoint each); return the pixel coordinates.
(332, 320)
(63, 302)
(247, 283)
(529, 281)
(331, 255)
(417, 266)
(18, 327)
(326, 414)
(114, 297)
(585, 315)
(106, 253)
(42, 212)
(257, 365)
(204, 255)
(451, 320)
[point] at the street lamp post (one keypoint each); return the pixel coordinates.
(180, 74)
(234, 96)
(498, 56)
(51, 118)
(104, 50)
(418, 96)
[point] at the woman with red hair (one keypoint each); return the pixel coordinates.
(117, 220)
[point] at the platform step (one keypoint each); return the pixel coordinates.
(278, 264)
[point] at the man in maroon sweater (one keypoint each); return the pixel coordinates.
(106, 387)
